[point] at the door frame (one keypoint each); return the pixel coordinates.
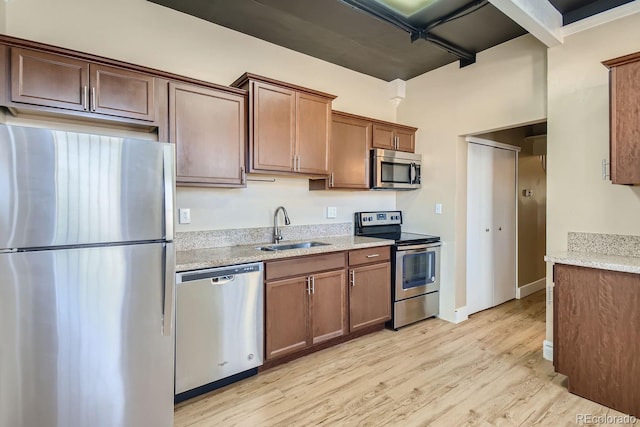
(516, 149)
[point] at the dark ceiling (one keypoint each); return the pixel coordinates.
(338, 31)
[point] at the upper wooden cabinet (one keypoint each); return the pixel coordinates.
(42, 79)
(350, 146)
(390, 136)
(208, 127)
(624, 80)
(289, 127)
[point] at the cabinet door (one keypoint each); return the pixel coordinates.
(406, 140)
(328, 306)
(49, 80)
(383, 137)
(369, 295)
(122, 93)
(286, 316)
(312, 133)
(208, 128)
(625, 124)
(350, 145)
(274, 127)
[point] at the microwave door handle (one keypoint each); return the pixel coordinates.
(413, 174)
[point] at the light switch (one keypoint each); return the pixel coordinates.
(438, 208)
(332, 212)
(184, 216)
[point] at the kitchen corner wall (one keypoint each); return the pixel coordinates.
(505, 88)
(145, 33)
(578, 139)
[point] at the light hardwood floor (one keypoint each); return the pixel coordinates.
(488, 370)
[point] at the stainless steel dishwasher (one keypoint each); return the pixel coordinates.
(219, 327)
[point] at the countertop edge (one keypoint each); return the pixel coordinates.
(224, 256)
(624, 264)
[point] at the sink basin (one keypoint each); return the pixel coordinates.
(284, 247)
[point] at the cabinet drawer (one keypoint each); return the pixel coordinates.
(369, 255)
(304, 265)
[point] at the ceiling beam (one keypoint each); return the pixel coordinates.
(538, 17)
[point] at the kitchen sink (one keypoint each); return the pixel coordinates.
(280, 247)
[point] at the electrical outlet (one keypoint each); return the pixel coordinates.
(184, 216)
(332, 212)
(438, 208)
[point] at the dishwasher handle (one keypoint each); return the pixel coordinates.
(219, 275)
(222, 280)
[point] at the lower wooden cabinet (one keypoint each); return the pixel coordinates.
(369, 295)
(307, 309)
(596, 340)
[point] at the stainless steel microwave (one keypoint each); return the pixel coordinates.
(395, 170)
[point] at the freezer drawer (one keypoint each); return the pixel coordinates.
(219, 324)
(82, 338)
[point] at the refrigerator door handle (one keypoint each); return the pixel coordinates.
(169, 181)
(169, 285)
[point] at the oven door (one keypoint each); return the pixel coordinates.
(395, 170)
(417, 270)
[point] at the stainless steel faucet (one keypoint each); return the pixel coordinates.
(277, 234)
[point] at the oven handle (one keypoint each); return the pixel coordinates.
(417, 247)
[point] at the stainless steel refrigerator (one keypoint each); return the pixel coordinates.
(86, 280)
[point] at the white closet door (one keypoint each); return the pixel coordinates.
(491, 226)
(479, 224)
(504, 226)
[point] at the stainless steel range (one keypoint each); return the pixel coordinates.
(415, 266)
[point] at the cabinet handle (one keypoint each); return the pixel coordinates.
(331, 181)
(93, 98)
(309, 285)
(486, 229)
(313, 285)
(243, 175)
(500, 229)
(373, 255)
(352, 279)
(298, 163)
(85, 95)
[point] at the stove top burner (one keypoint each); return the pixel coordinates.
(386, 225)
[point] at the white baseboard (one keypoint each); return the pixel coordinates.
(547, 350)
(530, 288)
(461, 314)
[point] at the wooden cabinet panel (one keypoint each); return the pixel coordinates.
(390, 137)
(304, 265)
(350, 145)
(369, 295)
(369, 255)
(596, 339)
(406, 140)
(40, 78)
(274, 127)
(120, 92)
(312, 133)
(289, 126)
(383, 137)
(625, 123)
(43, 79)
(286, 316)
(328, 306)
(209, 129)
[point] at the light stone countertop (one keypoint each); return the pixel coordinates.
(195, 259)
(626, 264)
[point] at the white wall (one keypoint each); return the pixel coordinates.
(145, 33)
(578, 139)
(505, 88)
